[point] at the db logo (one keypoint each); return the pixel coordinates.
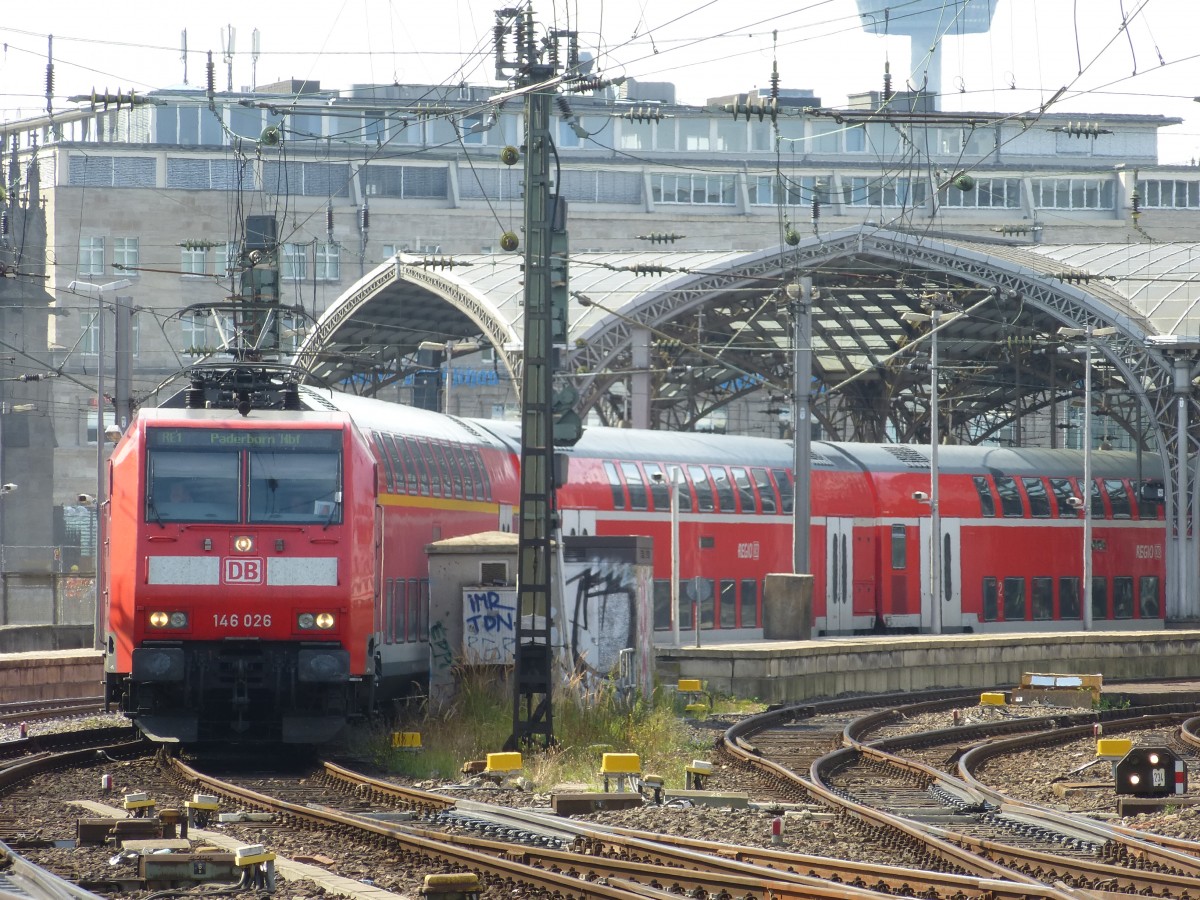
(242, 571)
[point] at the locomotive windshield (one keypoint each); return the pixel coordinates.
(223, 476)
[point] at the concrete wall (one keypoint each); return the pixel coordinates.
(792, 672)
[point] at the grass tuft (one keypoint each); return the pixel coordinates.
(588, 722)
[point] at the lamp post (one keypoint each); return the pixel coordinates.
(1085, 489)
(800, 297)
(935, 516)
(98, 291)
(672, 479)
(449, 348)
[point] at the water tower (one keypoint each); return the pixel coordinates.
(926, 22)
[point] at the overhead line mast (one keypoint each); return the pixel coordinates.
(534, 70)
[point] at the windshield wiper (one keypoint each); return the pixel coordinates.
(154, 511)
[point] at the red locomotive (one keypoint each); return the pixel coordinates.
(268, 581)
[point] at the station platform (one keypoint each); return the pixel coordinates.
(794, 671)
(50, 675)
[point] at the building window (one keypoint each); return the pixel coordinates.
(988, 193)
(861, 191)
(636, 135)
(328, 265)
(825, 137)
(125, 255)
(779, 190)
(472, 129)
(89, 342)
(91, 256)
(732, 136)
(193, 260)
(1074, 193)
(204, 334)
(693, 189)
(294, 265)
(1169, 194)
(693, 135)
(856, 139)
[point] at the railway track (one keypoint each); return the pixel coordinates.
(960, 827)
(915, 792)
(35, 710)
(638, 861)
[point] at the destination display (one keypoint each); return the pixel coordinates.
(230, 439)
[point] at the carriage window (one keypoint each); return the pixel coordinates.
(439, 457)
(413, 454)
(1014, 599)
(1143, 491)
(991, 602)
(614, 482)
(741, 478)
(423, 611)
(1068, 598)
(728, 603)
(704, 489)
(1063, 490)
(1039, 501)
(436, 488)
(399, 612)
(1122, 597)
(720, 477)
(684, 612)
(455, 476)
(1043, 598)
(662, 604)
(385, 465)
(415, 476)
(660, 491)
(987, 503)
(899, 547)
(637, 488)
(785, 490)
(389, 610)
(1118, 499)
(464, 467)
(1097, 500)
(766, 493)
(682, 488)
(749, 610)
(700, 590)
(1148, 600)
(393, 455)
(479, 467)
(1100, 597)
(1010, 497)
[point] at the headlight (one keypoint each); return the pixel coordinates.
(324, 620)
(160, 619)
(305, 620)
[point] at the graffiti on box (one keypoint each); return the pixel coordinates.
(489, 625)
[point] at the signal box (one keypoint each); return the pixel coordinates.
(1151, 772)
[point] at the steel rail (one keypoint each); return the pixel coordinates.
(416, 845)
(1180, 849)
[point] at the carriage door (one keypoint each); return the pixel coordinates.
(839, 575)
(951, 599)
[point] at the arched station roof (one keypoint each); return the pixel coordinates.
(713, 326)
